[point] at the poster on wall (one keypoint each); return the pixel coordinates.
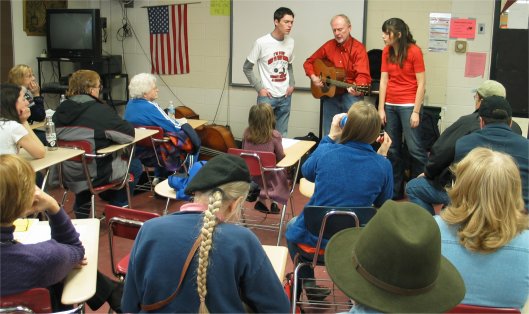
(34, 12)
(439, 28)
(463, 28)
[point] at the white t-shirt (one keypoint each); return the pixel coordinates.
(272, 58)
(10, 133)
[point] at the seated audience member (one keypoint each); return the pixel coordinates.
(83, 116)
(346, 171)
(495, 116)
(15, 132)
(143, 110)
(429, 188)
(43, 264)
(22, 75)
(229, 269)
(401, 271)
(262, 136)
(484, 230)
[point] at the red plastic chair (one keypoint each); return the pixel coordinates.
(87, 161)
(123, 223)
(259, 163)
(466, 308)
(36, 300)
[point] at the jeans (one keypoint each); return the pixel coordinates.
(335, 105)
(281, 106)
(82, 203)
(397, 125)
(421, 192)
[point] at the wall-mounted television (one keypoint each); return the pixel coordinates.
(73, 33)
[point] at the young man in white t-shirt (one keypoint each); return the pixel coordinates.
(273, 54)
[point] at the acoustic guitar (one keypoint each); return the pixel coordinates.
(332, 79)
(216, 139)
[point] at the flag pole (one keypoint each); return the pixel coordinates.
(165, 5)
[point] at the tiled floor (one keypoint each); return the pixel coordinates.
(148, 202)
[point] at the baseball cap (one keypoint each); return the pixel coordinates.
(491, 88)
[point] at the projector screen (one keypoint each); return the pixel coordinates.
(251, 19)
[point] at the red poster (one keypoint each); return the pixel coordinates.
(463, 28)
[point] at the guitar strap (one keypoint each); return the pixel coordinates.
(160, 304)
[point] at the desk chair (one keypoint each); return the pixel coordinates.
(87, 161)
(466, 308)
(259, 164)
(36, 300)
(153, 143)
(324, 221)
(123, 223)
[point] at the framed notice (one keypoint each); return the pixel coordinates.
(35, 15)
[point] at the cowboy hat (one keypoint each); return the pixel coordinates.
(394, 263)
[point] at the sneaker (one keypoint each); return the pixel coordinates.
(260, 206)
(155, 181)
(317, 293)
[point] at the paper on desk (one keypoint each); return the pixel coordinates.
(23, 224)
(287, 142)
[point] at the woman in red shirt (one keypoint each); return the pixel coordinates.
(402, 89)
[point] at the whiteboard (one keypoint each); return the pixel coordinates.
(251, 19)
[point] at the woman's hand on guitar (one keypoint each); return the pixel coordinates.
(316, 80)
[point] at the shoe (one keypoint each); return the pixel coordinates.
(260, 206)
(317, 293)
(155, 181)
(274, 208)
(114, 300)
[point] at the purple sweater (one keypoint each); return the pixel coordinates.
(26, 266)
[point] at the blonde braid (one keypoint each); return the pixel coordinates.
(215, 202)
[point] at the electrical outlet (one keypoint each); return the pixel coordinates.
(481, 28)
(128, 3)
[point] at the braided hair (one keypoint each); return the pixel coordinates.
(223, 195)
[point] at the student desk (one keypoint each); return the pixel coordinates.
(53, 157)
(278, 256)
(306, 188)
(80, 284)
(139, 135)
(195, 123)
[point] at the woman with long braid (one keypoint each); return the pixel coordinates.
(229, 271)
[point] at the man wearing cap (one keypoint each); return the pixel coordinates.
(495, 115)
(400, 272)
(429, 188)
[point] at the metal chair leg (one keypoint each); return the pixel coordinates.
(281, 224)
(166, 206)
(93, 206)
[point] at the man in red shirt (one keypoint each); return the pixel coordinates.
(343, 52)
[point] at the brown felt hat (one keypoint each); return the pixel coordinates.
(221, 169)
(394, 264)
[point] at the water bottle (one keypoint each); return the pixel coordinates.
(51, 136)
(343, 121)
(63, 98)
(171, 110)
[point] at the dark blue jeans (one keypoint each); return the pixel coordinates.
(398, 128)
(335, 105)
(281, 106)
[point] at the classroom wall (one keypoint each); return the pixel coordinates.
(205, 89)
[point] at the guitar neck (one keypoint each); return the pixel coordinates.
(339, 83)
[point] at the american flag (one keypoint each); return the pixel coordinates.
(168, 37)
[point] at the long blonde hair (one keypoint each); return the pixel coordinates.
(17, 187)
(218, 198)
(261, 123)
(486, 200)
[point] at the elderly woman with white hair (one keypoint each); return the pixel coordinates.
(141, 108)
